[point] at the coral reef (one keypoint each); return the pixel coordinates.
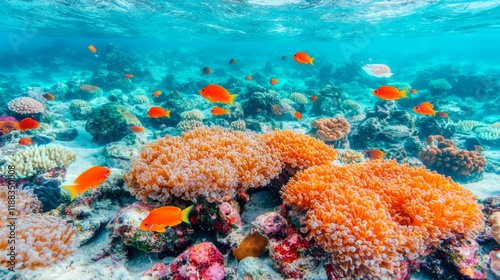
(80, 109)
(209, 162)
(23, 107)
(495, 261)
(331, 129)
(40, 240)
(467, 126)
(34, 160)
(371, 217)
(439, 85)
(238, 125)
(494, 220)
(110, 122)
(298, 150)
(446, 158)
(255, 268)
(201, 261)
(330, 100)
(435, 126)
(349, 156)
(119, 154)
(187, 125)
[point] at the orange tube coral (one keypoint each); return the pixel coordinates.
(372, 216)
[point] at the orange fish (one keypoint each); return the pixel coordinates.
(313, 98)
(92, 48)
(156, 93)
(248, 78)
(298, 115)
(136, 128)
(90, 178)
(303, 58)
(166, 216)
(443, 115)
(25, 141)
(128, 76)
(217, 111)
(374, 154)
(207, 70)
(28, 123)
(390, 93)
(232, 61)
(425, 108)
(216, 93)
(273, 81)
(49, 96)
(158, 112)
(413, 91)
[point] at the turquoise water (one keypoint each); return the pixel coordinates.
(446, 53)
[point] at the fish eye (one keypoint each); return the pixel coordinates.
(146, 224)
(295, 55)
(203, 90)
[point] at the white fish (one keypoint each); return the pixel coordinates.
(378, 70)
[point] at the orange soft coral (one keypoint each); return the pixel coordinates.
(207, 162)
(331, 129)
(299, 150)
(372, 216)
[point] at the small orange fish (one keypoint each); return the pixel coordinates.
(166, 216)
(217, 111)
(28, 123)
(374, 154)
(390, 93)
(443, 115)
(425, 108)
(158, 112)
(92, 48)
(413, 91)
(207, 70)
(25, 141)
(273, 81)
(298, 115)
(232, 61)
(303, 58)
(216, 93)
(128, 76)
(49, 96)
(136, 128)
(156, 93)
(90, 178)
(313, 98)
(248, 78)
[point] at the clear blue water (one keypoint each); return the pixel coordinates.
(44, 42)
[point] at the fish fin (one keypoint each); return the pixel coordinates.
(231, 98)
(161, 229)
(311, 61)
(72, 190)
(185, 214)
(404, 93)
(430, 104)
(167, 113)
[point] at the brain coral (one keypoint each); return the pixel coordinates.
(209, 162)
(299, 150)
(26, 106)
(372, 216)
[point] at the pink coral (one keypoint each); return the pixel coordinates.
(495, 261)
(202, 261)
(26, 106)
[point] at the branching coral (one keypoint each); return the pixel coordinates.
(40, 240)
(38, 159)
(466, 126)
(443, 156)
(331, 129)
(299, 150)
(370, 217)
(209, 162)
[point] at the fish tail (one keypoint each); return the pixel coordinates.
(185, 214)
(311, 61)
(167, 113)
(72, 190)
(231, 99)
(404, 93)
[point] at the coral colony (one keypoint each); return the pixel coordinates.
(309, 175)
